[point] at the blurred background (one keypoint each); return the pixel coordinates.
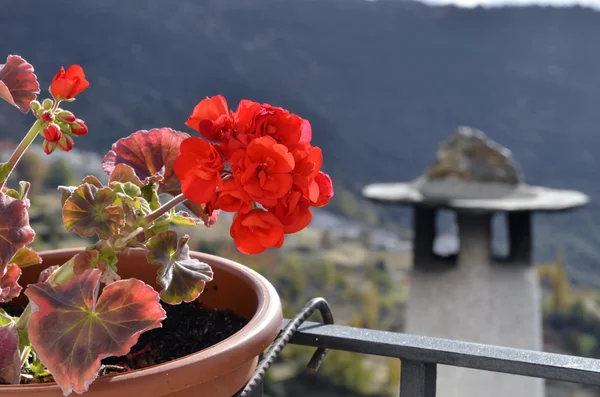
(382, 83)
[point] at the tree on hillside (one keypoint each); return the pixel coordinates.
(59, 173)
(33, 169)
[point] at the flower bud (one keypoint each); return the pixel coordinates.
(65, 128)
(47, 104)
(52, 133)
(48, 147)
(65, 143)
(35, 105)
(47, 117)
(65, 115)
(78, 127)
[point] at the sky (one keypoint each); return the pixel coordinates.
(499, 3)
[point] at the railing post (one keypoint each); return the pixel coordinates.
(417, 379)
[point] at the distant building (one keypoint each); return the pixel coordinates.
(459, 290)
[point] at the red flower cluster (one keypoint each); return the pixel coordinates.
(59, 126)
(259, 164)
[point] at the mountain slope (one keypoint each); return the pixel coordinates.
(382, 82)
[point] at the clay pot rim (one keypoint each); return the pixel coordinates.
(252, 339)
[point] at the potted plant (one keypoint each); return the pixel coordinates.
(125, 314)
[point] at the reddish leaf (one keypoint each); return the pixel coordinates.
(18, 82)
(182, 278)
(148, 153)
(26, 257)
(9, 286)
(10, 362)
(72, 329)
(87, 260)
(124, 173)
(92, 180)
(46, 273)
(90, 210)
(15, 232)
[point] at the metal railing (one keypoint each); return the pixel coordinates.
(420, 355)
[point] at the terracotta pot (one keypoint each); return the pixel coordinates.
(219, 371)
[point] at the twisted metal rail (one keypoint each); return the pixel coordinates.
(283, 339)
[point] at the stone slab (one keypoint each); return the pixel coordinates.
(462, 195)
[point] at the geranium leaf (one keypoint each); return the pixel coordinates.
(18, 83)
(46, 273)
(150, 194)
(182, 218)
(10, 362)
(124, 173)
(72, 329)
(92, 180)
(26, 257)
(90, 211)
(4, 171)
(15, 232)
(182, 278)
(93, 259)
(87, 260)
(148, 153)
(9, 286)
(129, 194)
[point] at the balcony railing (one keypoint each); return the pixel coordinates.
(420, 355)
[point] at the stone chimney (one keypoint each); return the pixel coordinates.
(474, 296)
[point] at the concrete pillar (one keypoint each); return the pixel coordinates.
(478, 301)
(475, 236)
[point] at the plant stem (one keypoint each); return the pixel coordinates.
(163, 209)
(25, 143)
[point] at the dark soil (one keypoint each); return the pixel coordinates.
(187, 329)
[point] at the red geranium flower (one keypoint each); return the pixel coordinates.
(231, 198)
(263, 170)
(325, 185)
(67, 85)
(255, 231)
(199, 166)
(211, 118)
(285, 127)
(293, 211)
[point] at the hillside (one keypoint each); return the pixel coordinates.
(382, 82)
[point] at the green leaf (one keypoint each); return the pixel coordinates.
(24, 187)
(94, 259)
(150, 194)
(72, 329)
(26, 257)
(182, 218)
(4, 171)
(90, 210)
(127, 189)
(129, 194)
(10, 360)
(12, 193)
(9, 286)
(182, 278)
(15, 232)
